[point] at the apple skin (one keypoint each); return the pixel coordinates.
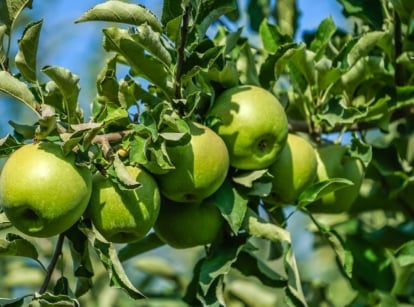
(124, 215)
(42, 192)
(185, 225)
(293, 171)
(200, 166)
(334, 163)
(252, 123)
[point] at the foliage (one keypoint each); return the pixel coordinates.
(353, 88)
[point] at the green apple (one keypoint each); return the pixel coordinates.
(124, 215)
(42, 192)
(333, 162)
(293, 171)
(184, 225)
(201, 166)
(252, 123)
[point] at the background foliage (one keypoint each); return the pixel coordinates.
(353, 87)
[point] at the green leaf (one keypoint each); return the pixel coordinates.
(118, 11)
(3, 56)
(219, 262)
(123, 175)
(294, 293)
(68, 85)
(250, 265)
(50, 299)
(259, 228)
(342, 253)
(143, 65)
(26, 57)
(18, 90)
(319, 189)
(15, 245)
(10, 11)
(25, 131)
(323, 35)
(8, 144)
(232, 205)
(360, 150)
(209, 11)
(272, 38)
(363, 46)
(151, 41)
(117, 275)
(150, 242)
(369, 11)
(12, 302)
(170, 11)
(405, 254)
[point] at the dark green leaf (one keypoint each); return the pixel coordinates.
(118, 11)
(232, 205)
(68, 85)
(319, 189)
(26, 57)
(170, 11)
(361, 150)
(10, 11)
(117, 275)
(219, 262)
(15, 245)
(368, 10)
(61, 287)
(25, 131)
(107, 83)
(12, 302)
(373, 265)
(8, 144)
(251, 265)
(18, 90)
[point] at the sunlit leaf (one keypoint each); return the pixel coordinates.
(271, 37)
(123, 12)
(118, 277)
(405, 254)
(323, 35)
(10, 11)
(48, 298)
(232, 205)
(294, 292)
(15, 245)
(123, 175)
(67, 82)
(18, 90)
(26, 57)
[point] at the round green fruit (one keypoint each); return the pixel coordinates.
(333, 162)
(124, 215)
(252, 123)
(185, 225)
(201, 166)
(293, 171)
(42, 192)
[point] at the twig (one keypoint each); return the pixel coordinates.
(181, 50)
(51, 267)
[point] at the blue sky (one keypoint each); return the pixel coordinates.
(76, 46)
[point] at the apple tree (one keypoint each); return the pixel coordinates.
(216, 171)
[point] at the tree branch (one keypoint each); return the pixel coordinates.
(51, 267)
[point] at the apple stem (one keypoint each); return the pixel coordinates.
(51, 267)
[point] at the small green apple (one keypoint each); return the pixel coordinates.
(185, 225)
(124, 215)
(252, 123)
(42, 192)
(333, 162)
(293, 171)
(201, 166)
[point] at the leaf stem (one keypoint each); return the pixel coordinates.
(51, 267)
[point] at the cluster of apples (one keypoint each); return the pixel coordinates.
(43, 193)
